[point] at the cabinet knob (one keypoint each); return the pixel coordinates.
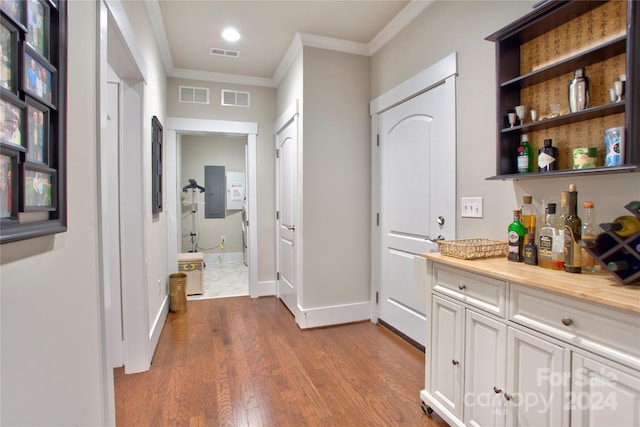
(454, 362)
(507, 396)
(497, 390)
(440, 220)
(462, 287)
(566, 321)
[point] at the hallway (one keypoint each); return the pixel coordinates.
(243, 362)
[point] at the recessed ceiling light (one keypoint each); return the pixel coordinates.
(230, 34)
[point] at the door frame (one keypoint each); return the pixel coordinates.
(421, 82)
(176, 125)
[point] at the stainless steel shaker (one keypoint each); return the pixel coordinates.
(578, 91)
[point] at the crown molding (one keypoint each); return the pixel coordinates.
(397, 24)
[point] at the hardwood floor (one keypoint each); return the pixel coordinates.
(244, 362)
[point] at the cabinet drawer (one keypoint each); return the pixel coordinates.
(606, 331)
(480, 291)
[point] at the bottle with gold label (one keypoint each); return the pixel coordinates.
(572, 235)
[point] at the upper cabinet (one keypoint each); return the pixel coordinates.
(536, 58)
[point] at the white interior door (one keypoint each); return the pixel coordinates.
(417, 201)
(286, 144)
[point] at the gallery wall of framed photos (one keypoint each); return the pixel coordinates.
(33, 75)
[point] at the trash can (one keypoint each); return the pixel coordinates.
(178, 293)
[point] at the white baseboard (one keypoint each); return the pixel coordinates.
(220, 258)
(265, 289)
(158, 324)
(334, 315)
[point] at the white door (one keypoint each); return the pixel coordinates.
(286, 145)
(110, 205)
(417, 202)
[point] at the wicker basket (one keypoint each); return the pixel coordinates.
(473, 248)
(192, 263)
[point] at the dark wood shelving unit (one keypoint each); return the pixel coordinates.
(514, 82)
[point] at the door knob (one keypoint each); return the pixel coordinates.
(454, 362)
(440, 220)
(291, 227)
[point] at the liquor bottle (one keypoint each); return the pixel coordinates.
(525, 156)
(562, 215)
(589, 233)
(572, 234)
(529, 217)
(578, 91)
(531, 251)
(547, 157)
(516, 238)
(551, 246)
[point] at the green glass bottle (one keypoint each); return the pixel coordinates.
(572, 235)
(516, 235)
(525, 156)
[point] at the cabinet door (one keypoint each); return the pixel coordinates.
(602, 395)
(445, 381)
(485, 368)
(537, 381)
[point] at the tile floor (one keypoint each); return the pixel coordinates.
(224, 280)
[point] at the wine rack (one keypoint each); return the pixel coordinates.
(611, 248)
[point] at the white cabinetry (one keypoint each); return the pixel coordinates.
(504, 354)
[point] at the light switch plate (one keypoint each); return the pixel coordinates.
(471, 207)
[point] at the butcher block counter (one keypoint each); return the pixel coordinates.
(599, 288)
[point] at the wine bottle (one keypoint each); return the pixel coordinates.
(623, 226)
(572, 234)
(516, 238)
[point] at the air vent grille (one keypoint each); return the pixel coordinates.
(235, 98)
(224, 52)
(193, 95)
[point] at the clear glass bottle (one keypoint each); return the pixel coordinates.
(590, 230)
(572, 235)
(551, 246)
(525, 156)
(529, 217)
(516, 235)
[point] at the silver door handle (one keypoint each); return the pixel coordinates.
(291, 227)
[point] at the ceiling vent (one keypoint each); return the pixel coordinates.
(235, 98)
(224, 52)
(193, 95)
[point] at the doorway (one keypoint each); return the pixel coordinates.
(175, 129)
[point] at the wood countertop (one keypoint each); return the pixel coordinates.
(599, 288)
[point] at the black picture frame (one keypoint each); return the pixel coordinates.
(37, 131)
(32, 218)
(38, 188)
(8, 56)
(8, 185)
(156, 165)
(38, 26)
(16, 10)
(39, 78)
(12, 123)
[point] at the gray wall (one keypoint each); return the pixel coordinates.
(461, 26)
(198, 152)
(262, 111)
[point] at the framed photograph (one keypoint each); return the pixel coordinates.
(39, 79)
(8, 52)
(38, 26)
(12, 120)
(37, 133)
(39, 188)
(15, 9)
(8, 185)
(156, 165)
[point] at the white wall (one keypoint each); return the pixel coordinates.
(198, 152)
(51, 356)
(448, 26)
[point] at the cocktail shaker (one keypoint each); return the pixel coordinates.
(578, 91)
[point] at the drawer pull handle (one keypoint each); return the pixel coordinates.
(566, 321)
(462, 287)
(455, 362)
(507, 396)
(497, 390)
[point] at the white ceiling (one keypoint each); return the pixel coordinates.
(271, 33)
